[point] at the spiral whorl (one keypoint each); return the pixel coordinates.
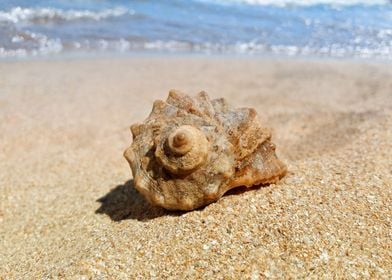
(181, 140)
(184, 150)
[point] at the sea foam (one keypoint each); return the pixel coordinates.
(18, 14)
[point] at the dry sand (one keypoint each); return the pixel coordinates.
(67, 208)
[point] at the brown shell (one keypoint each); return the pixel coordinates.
(191, 150)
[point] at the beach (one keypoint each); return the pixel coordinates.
(68, 209)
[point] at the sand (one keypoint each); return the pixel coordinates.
(68, 209)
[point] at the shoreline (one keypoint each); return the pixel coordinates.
(74, 56)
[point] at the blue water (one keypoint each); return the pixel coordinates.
(322, 28)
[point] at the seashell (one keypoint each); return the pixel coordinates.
(191, 150)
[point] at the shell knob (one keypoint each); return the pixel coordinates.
(184, 150)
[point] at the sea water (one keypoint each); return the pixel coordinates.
(321, 28)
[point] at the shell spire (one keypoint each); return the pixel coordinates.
(191, 150)
(184, 150)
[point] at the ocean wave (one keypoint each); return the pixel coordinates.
(244, 28)
(284, 3)
(18, 14)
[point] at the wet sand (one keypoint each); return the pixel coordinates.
(68, 209)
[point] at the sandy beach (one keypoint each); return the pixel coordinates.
(68, 209)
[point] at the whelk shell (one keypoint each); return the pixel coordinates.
(191, 150)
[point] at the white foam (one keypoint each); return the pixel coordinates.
(13, 53)
(18, 14)
(45, 46)
(283, 3)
